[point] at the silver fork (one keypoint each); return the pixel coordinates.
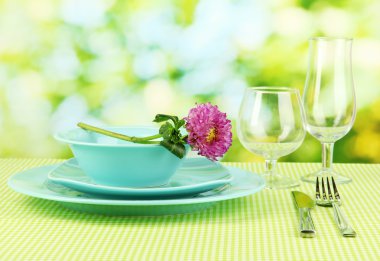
(334, 202)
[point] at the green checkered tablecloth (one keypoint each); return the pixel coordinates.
(258, 227)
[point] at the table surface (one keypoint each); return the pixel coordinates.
(262, 226)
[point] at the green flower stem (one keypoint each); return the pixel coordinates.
(143, 140)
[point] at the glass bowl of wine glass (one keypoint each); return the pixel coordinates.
(271, 124)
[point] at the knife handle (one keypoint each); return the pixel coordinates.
(307, 228)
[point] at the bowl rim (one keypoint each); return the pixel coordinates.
(59, 137)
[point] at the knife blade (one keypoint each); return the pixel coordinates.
(304, 203)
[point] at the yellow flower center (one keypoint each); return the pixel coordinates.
(211, 136)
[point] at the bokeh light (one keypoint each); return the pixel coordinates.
(113, 62)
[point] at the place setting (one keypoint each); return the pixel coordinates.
(145, 170)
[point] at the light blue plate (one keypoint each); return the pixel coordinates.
(196, 175)
(33, 182)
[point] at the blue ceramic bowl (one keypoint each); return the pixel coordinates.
(113, 162)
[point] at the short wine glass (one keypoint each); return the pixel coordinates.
(329, 98)
(271, 124)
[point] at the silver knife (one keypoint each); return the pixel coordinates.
(304, 203)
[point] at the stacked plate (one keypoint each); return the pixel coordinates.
(196, 185)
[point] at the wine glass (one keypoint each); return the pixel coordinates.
(271, 124)
(329, 98)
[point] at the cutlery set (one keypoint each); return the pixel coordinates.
(325, 198)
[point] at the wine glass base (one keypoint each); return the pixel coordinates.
(277, 181)
(338, 178)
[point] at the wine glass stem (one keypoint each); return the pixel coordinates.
(327, 156)
(270, 167)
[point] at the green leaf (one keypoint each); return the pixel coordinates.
(176, 136)
(180, 123)
(164, 117)
(172, 137)
(177, 149)
(166, 130)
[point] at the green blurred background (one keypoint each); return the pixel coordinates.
(121, 62)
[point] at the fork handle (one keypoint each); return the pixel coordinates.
(307, 228)
(342, 222)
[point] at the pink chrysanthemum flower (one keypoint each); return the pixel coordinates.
(209, 131)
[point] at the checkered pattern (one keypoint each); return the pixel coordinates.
(258, 227)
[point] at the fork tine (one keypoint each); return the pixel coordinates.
(317, 193)
(323, 190)
(336, 193)
(329, 189)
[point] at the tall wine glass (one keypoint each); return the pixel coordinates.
(329, 98)
(271, 124)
